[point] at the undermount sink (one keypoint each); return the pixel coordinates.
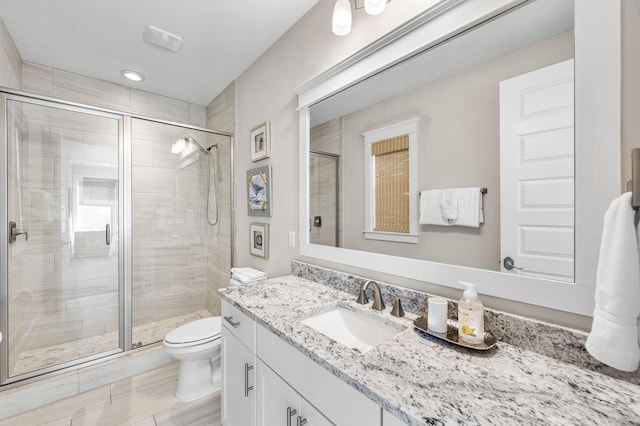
(352, 329)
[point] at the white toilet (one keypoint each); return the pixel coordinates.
(197, 346)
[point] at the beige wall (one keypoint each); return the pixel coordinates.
(265, 92)
(458, 146)
(630, 84)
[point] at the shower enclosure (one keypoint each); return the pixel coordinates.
(114, 227)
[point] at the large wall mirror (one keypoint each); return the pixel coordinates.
(486, 96)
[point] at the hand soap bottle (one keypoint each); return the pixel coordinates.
(470, 316)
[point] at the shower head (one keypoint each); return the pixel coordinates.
(191, 139)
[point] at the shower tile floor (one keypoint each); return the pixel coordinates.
(145, 334)
(143, 400)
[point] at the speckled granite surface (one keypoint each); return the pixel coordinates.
(546, 339)
(425, 381)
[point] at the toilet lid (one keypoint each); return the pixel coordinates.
(203, 329)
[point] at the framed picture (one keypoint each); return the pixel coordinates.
(259, 240)
(259, 191)
(260, 142)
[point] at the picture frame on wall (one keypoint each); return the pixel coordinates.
(260, 142)
(259, 240)
(259, 191)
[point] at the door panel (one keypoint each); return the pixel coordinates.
(537, 172)
(63, 191)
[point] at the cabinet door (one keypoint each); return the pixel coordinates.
(277, 403)
(312, 416)
(238, 382)
(389, 419)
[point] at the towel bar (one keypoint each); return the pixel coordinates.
(482, 190)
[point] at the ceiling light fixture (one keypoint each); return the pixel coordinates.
(341, 22)
(374, 7)
(132, 75)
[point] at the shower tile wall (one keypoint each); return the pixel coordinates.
(169, 250)
(63, 285)
(10, 61)
(325, 138)
(74, 87)
(221, 116)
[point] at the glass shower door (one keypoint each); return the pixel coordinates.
(62, 179)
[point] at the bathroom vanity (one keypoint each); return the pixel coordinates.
(278, 370)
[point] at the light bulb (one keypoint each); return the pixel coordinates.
(374, 7)
(341, 22)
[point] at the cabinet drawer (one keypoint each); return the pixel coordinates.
(239, 324)
(339, 402)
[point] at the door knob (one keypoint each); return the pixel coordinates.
(510, 264)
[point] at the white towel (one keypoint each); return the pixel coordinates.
(469, 207)
(449, 205)
(247, 275)
(430, 209)
(614, 338)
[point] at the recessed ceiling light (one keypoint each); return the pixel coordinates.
(132, 75)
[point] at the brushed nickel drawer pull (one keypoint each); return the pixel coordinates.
(247, 388)
(229, 319)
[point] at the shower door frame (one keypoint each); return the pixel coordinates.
(6, 96)
(124, 227)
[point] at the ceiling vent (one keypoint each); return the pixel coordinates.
(162, 38)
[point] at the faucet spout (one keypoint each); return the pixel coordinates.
(378, 303)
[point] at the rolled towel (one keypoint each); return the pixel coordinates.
(247, 275)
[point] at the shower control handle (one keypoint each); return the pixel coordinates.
(247, 388)
(234, 324)
(14, 232)
(301, 421)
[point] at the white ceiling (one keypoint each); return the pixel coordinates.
(99, 38)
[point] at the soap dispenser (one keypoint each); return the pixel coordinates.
(470, 316)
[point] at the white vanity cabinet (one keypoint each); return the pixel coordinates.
(278, 403)
(238, 368)
(265, 379)
(389, 419)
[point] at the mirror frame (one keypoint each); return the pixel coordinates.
(597, 169)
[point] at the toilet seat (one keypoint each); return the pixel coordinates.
(194, 333)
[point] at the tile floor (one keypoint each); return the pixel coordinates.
(143, 400)
(144, 334)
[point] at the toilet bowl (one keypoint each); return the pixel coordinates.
(197, 345)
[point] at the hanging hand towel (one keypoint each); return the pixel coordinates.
(430, 210)
(614, 333)
(469, 207)
(449, 205)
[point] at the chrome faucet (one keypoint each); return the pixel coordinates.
(378, 303)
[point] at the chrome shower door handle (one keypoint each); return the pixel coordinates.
(14, 232)
(247, 388)
(290, 413)
(107, 235)
(510, 264)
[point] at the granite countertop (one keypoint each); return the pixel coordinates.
(423, 380)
